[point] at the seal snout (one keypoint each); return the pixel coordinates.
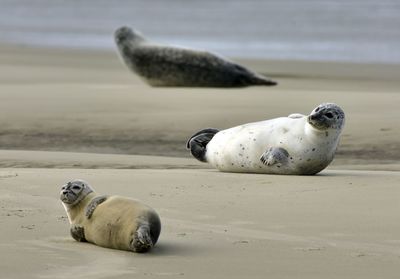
(315, 116)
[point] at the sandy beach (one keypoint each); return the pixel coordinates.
(69, 114)
(88, 101)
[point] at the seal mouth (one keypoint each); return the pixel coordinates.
(317, 122)
(68, 197)
(64, 199)
(119, 38)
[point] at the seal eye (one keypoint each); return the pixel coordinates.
(329, 115)
(76, 188)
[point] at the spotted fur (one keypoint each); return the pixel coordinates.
(297, 144)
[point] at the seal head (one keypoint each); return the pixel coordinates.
(74, 191)
(327, 116)
(125, 34)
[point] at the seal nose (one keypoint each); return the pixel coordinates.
(64, 192)
(313, 117)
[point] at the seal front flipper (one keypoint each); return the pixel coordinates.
(93, 204)
(275, 155)
(78, 233)
(198, 143)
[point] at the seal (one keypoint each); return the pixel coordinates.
(297, 144)
(109, 221)
(161, 65)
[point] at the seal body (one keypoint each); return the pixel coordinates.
(110, 221)
(297, 144)
(161, 65)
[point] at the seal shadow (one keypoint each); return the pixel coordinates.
(339, 173)
(172, 249)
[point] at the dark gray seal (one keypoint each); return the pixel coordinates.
(161, 65)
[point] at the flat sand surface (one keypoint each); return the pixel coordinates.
(339, 224)
(78, 114)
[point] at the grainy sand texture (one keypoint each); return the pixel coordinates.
(69, 114)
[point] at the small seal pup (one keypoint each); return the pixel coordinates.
(296, 144)
(161, 65)
(109, 221)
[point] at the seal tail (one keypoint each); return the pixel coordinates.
(198, 143)
(247, 77)
(260, 80)
(142, 240)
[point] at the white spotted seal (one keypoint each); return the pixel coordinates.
(296, 144)
(161, 65)
(109, 221)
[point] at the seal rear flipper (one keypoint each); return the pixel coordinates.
(247, 77)
(260, 80)
(275, 155)
(141, 241)
(198, 143)
(78, 233)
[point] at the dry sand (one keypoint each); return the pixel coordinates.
(342, 223)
